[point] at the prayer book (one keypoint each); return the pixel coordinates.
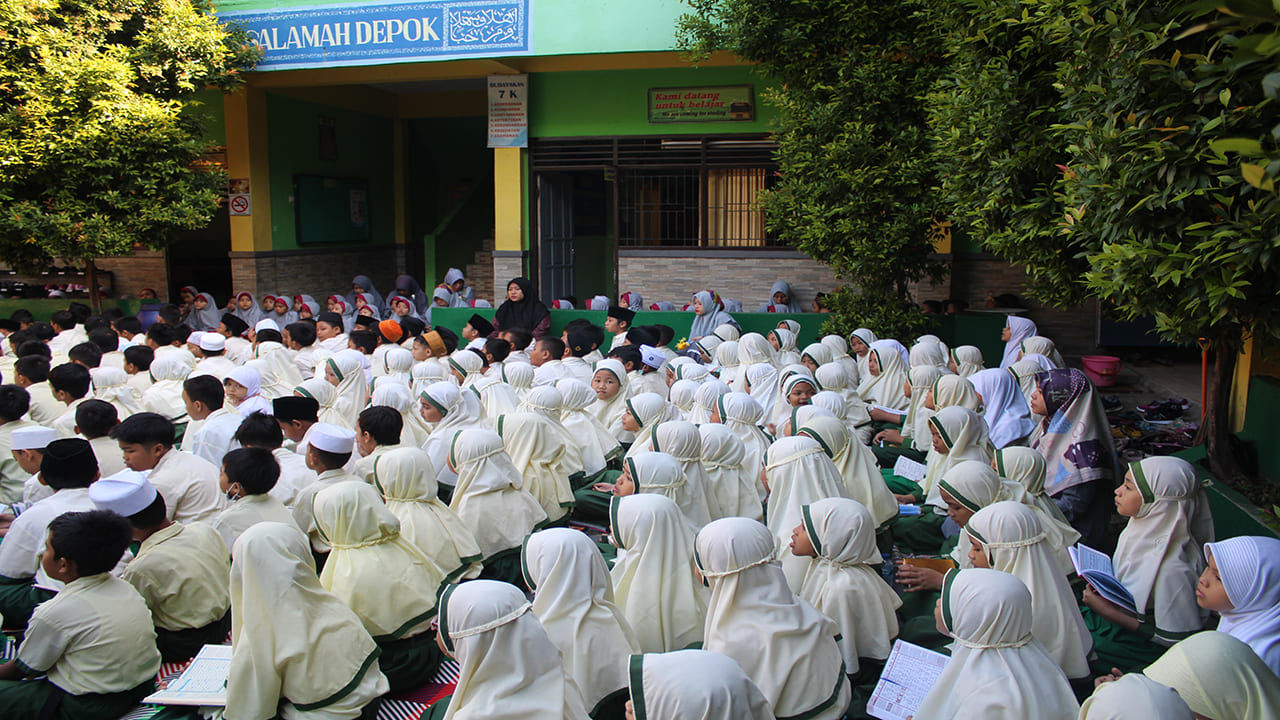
(1097, 570)
(204, 682)
(894, 411)
(909, 674)
(907, 468)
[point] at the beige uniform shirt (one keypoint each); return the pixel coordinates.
(45, 409)
(294, 476)
(247, 512)
(12, 476)
(304, 515)
(183, 572)
(110, 459)
(94, 636)
(66, 422)
(189, 485)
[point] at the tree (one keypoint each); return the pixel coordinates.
(1165, 197)
(97, 148)
(855, 171)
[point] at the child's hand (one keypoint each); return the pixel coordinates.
(1104, 679)
(604, 487)
(905, 499)
(916, 579)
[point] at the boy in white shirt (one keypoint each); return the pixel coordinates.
(188, 483)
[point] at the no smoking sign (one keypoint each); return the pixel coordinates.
(240, 204)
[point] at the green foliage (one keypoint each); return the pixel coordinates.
(96, 150)
(855, 166)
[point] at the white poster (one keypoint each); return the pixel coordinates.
(508, 111)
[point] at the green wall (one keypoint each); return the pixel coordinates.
(293, 147)
(447, 158)
(615, 102)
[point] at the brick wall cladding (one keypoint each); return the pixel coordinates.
(131, 273)
(317, 273)
(504, 268)
(676, 278)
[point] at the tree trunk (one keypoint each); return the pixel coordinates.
(91, 279)
(1216, 431)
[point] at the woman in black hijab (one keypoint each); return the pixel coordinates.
(522, 309)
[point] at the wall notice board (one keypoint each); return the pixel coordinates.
(331, 210)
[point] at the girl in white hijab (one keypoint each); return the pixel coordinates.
(784, 345)
(643, 413)
(860, 342)
(927, 354)
(490, 501)
(693, 684)
(546, 400)
(885, 378)
(796, 389)
(761, 381)
(573, 599)
(914, 437)
(279, 374)
(1008, 536)
(681, 395)
(509, 668)
(1134, 696)
(496, 397)
(1003, 407)
(966, 360)
(742, 414)
(797, 472)
(610, 384)
(704, 400)
(997, 667)
(297, 651)
(452, 410)
(406, 479)
(661, 474)
(112, 385)
(326, 395)
(653, 578)
(538, 452)
(1242, 583)
(345, 371)
(1039, 345)
(398, 397)
(594, 441)
(839, 348)
(1024, 371)
(428, 372)
(252, 401)
(727, 364)
(1219, 677)
(784, 645)
(754, 348)
(681, 440)
(1158, 559)
(397, 367)
(833, 378)
(730, 481)
(855, 463)
(842, 582)
(1016, 329)
(1026, 467)
(387, 581)
(165, 394)
(815, 355)
(519, 375)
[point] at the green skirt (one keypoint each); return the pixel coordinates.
(505, 567)
(409, 662)
(1116, 647)
(180, 645)
(591, 505)
(18, 599)
(887, 455)
(40, 699)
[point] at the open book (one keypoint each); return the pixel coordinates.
(204, 682)
(909, 674)
(907, 468)
(1097, 570)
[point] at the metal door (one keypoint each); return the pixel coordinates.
(555, 235)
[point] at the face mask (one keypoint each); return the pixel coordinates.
(232, 496)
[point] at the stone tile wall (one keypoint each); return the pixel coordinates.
(316, 272)
(741, 275)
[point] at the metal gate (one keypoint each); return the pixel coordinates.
(555, 235)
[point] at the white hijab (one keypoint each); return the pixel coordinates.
(868, 338)
(653, 580)
(414, 430)
(886, 387)
(290, 637)
(730, 481)
(509, 668)
(761, 381)
(1014, 542)
(609, 412)
(742, 414)
(704, 400)
(1020, 329)
(546, 400)
(844, 585)
(353, 388)
(785, 646)
(964, 433)
(728, 367)
(798, 473)
(489, 498)
(1160, 555)
(427, 373)
(279, 373)
(1026, 466)
(997, 668)
(1003, 407)
(165, 394)
(1219, 677)
(915, 426)
(1250, 572)
(325, 395)
(573, 599)
(661, 474)
(386, 580)
(968, 360)
(112, 385)
(681, 440)
(593, 439)
(406, 479)
(854, 461)
(1043, 346)
(694, 684)
(461, 411)
(538, 452)
(839, 348)
(1134, 696)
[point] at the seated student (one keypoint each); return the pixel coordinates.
(85, 354)
(180, 570)
(329, 448)
(578, 344)
(94, 420)
(488, 628)
(1218, 676)
(31, 373)
(997, 667)
(1009, 537)
(436, 343)
(520, 339)
(137, 363)
(93, 641)
(406, 480)
(210, 349)
(243, 389)
(387, 581)
(611, 385)
(537, 450)
(70, 384)
(248, 475)
(213, 425)
(68, 467)
(298, 651)
(546, 358)
(1158, 558)
(468, 368)
(188, 483)
(1133, 696)
(128, 328)
(618, 321)
(378, 430)
(1240, 584)
(452, 410)
(14, 403)
(239, 349)
(650, 380)
(693, 683)
(330, 335)
(26, 447)
(785, 646)
(476, 331)
(296, 415)
(573, 599)
(496, 350)
(491, 502)
(797, 473)
(300, 337)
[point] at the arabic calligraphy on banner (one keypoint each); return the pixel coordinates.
(382, 33)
